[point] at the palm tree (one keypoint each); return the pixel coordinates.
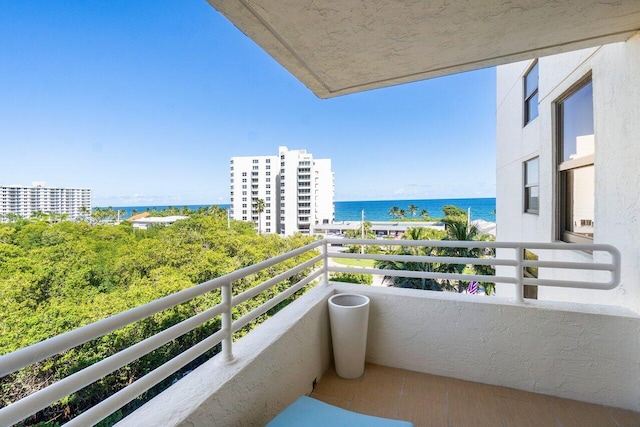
(37, 215)
(424, 214)
(416, 233)
(259, 208)
(402, 213)
(393, 212)
(413, 210)
(460, 230)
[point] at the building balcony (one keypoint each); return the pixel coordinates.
(434, 358)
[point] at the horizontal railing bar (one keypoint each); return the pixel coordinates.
(427, 259)
(478, 244)
(23, 408)
(36, 352)
(256, 290)
(428, 243)
(244, 320)
(127, 394)
(423, 274)
(569, 265)
(570, 284)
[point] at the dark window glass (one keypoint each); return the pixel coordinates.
(531, 187)
(531, 94)
(577, 122)
(530, 291)
(576, 198)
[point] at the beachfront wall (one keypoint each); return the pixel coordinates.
(615, 75)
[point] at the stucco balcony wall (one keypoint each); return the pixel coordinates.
(576, 351)
(589, 353)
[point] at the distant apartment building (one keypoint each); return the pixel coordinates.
(24, 201)
(297, 191)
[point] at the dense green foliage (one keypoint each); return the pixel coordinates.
(57, 276)
(363, 279)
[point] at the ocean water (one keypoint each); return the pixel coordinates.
(378, 210)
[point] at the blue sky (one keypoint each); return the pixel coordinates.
(145, 102)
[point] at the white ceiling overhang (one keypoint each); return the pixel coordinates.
(336, 47)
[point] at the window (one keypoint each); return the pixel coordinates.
(530, 291)
(255, 161)
(531, 189)
(576, 172)
(531, 94)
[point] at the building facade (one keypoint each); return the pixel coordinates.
(295, 189)
(25, 201)
(568, 129)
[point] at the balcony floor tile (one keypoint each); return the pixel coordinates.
(431, 400)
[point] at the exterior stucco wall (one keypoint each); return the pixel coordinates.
(615, 70)
(589, 353)
(274, 365)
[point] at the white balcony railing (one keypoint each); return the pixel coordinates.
(318, 267)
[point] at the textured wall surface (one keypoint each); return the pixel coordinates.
(615, 71)
(574, 351)
(274, 365)
(336, 47)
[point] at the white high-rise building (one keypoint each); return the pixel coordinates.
(567, 162)
(297, 191)
(24, 201)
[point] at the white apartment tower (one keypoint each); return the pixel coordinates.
(568, 147)
(297, 191)
(24, 201)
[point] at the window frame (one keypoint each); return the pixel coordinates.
(526, 100)
(562, 167)
(526, 185)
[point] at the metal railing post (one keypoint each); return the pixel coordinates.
(519, 274)
(325, 262)
(227, 321)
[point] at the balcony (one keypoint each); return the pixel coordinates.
(478, 352)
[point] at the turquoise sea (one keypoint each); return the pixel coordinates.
(378, 210)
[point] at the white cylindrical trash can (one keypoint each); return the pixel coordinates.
(349, 318)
